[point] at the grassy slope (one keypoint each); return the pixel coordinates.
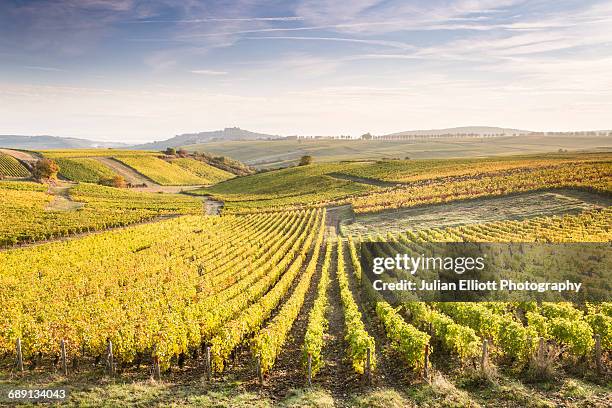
(83, 169)
(263, 153)
(287, 186)
(203, 170)
(161, 171)
(192, 390)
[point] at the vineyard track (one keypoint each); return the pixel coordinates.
(288, 372)
(388, 375)
(337, 374)
(61, 198)
(362, 180)
(20, 155)
(134, 177)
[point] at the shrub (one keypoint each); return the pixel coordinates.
(306, 160)
(45, 169)
(115, 181)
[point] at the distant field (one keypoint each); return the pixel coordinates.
(280, 153)
(378, 186)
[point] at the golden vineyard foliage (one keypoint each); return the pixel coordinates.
(461, 326)
(145, 288)
(331, 184)
(591, 176)
(161, 171)
(26, 205)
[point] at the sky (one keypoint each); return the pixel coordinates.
(135, 71)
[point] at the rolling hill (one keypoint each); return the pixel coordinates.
(52, 142)
(463, 130)
(227, 134)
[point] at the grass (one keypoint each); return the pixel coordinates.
(275, 153)
(160, 171)
(83, 169)
(296, 185)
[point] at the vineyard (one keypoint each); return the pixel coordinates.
(337, 184)
(25, 204)
(208, 173)
(87, 170)
(270, 296)
(11, 167)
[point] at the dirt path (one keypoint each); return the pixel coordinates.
(337, 375)
(21, 155)
(362, 180)
(211, 206)
(61, 198)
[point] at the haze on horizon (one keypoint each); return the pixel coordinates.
(136, 71)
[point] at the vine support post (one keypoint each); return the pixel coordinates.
(369, 366)
(63, 351)
(485, 354)
(426, 363)
(541, 349)
(598, 353)
(208, 364)
(19, 355)
(156, 369)
(259, 370)
(110, 359)
(310, 369)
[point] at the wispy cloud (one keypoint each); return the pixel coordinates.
(218, 19)
(40, 68)
(208, 72)
(392, 44)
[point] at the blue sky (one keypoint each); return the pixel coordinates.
(141, 70)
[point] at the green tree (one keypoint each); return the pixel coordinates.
(170, 151)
